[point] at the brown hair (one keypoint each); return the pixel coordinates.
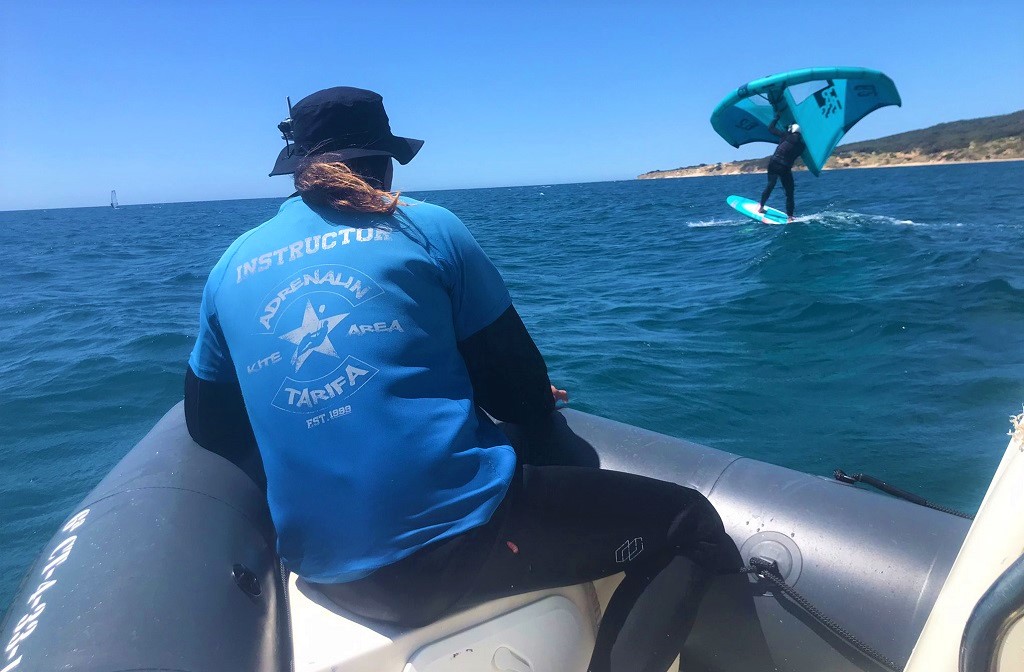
(322, 180)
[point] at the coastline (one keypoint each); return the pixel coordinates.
(857, 155)
(735, 168)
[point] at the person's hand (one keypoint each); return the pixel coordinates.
(559, 395)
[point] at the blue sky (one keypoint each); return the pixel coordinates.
(179, 101)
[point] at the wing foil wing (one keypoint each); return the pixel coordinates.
(826, 102)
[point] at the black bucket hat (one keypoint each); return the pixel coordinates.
(343, 121)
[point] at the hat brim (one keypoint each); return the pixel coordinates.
(401, 149)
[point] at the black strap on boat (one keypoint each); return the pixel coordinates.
(768, 570)
(842, 476)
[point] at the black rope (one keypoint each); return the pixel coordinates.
(842, 476)
(769, 571)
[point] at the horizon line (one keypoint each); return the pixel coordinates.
(263, 198)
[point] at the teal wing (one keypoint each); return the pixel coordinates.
(826, 102)
(743, 117)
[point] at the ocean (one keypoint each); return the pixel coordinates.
(882, 332)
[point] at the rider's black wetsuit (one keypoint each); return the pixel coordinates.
(781, 165)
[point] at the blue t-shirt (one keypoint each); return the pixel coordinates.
(342, 332)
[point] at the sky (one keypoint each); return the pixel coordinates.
(180, 100)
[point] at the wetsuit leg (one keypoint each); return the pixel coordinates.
(772, 177)
(787, 184)
(569, 525)
(649, 617)
(561, 526)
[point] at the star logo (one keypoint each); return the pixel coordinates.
(313, 335)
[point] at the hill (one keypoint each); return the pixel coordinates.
(999, 138)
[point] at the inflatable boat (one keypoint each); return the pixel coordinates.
(169, 564)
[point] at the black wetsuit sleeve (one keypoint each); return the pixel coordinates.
(509, 376)
(217, 420)
(774, 131)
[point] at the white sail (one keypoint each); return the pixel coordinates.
(113, 198)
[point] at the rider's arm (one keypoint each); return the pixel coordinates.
(775, 131)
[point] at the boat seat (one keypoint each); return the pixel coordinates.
(544, 631)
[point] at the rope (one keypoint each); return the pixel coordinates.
(842, 476)
(769, 571)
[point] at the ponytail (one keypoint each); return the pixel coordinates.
(322, 180)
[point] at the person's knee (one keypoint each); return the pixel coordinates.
(699, 533)
(696, 518)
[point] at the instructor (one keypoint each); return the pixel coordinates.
(391, 489)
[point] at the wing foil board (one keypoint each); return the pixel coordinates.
(747, 207)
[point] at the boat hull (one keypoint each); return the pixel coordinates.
(171, 563)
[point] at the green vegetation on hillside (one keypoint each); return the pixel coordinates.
(944, 137)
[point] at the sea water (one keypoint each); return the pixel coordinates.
(882, 332)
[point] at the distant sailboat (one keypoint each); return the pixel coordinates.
(113, 199)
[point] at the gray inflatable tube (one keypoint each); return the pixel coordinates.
(169, 563)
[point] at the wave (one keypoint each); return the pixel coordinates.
(707, 223)
(850, 217)
(996, 294)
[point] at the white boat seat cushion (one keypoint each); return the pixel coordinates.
(544, 631)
